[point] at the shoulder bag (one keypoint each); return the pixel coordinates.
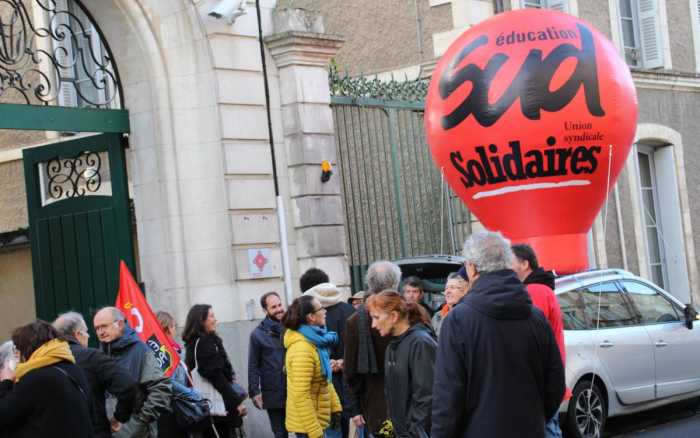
(207, 390)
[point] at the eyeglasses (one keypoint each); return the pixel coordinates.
(319, 309)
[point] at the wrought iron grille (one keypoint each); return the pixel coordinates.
(362, 87)
(53, 53)
(85, 174)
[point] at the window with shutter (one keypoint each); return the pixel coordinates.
(640, 31)
(65, 55)
(557, 5)
(650, 31)
(695, 25)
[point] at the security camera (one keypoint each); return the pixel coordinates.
(228, 9)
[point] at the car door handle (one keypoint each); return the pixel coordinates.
(661, 344)
(606, 344)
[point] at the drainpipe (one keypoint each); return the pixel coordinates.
(281, 217)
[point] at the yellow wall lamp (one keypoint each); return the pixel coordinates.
(326, 171)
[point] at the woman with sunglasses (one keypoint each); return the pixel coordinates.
(311, 399)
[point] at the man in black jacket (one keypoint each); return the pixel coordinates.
(267, 383)
(498, 372)
(101, 372)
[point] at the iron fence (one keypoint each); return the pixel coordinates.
(396, 203)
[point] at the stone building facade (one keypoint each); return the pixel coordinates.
(653, 208)
(200, 165)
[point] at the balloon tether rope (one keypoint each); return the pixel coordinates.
(600, 294)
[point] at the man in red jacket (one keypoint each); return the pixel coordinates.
(540, 286)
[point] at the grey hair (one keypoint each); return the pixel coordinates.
(455, 276)
(116, 313)
(382, 275)
(69, 322)
(488, 251)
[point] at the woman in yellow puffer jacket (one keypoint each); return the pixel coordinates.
(312, 403)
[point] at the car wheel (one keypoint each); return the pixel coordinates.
(587, 411)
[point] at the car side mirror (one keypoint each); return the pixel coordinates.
(690, 315)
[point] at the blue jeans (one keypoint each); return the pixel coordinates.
(333, 433)
(551, 428)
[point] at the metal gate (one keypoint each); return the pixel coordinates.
(79, 222)
(57, 73)
(396, 203)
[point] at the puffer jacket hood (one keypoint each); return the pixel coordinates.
(125, 342)
(500, 295)
(291, 337)
(328, 294)
(540, 276)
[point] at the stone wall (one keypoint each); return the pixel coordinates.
(381, 35)
(16, 290)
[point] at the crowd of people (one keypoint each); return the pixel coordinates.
(383, 363)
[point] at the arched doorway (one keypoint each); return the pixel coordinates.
(58, 76)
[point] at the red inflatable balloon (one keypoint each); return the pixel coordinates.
(531, 115)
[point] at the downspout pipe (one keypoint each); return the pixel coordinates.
(281, 216)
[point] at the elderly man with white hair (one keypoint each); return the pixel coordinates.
(498, 371)
(103, 374)
(364, 354)
(121, 342)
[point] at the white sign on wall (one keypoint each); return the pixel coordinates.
(259, 262)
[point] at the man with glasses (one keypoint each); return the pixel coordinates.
(121, 342)
(101, 372)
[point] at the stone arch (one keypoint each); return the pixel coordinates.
(176, 155)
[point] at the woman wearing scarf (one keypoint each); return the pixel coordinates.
(455, 289)
(408, 363)
(45, 396)
(311, 398)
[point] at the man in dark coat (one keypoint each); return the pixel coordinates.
(364, 354)
(498, 372)
(316, 282)
(102, 374)
(267, 383)
(122, 343)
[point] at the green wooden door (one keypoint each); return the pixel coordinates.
(79, 223)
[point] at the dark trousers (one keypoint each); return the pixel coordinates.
(339, 386)
(277, 417)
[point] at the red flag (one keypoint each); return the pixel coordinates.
(131, 301)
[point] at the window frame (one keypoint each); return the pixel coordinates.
(590, 321)
(665, 62)
(634, 8)
(649, 151)
(676, 308)
(571, 5)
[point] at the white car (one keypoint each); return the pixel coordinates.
(630, 346)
